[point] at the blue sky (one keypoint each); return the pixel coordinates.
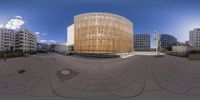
(51, 17)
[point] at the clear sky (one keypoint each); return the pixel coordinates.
(51, 17)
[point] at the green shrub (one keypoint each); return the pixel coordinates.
(11, 54)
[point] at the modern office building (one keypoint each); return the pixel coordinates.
(25, 41)
(195, 39)
(167, 42)
(7, 39)
(142, 42)
(102, 33)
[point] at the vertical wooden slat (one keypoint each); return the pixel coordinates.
(102, 33)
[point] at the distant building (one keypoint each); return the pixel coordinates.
(51, 47)
(60, 48)
(187, 43)
(167, 42)
(7, 39)
(25, 41)
(142, 42)
(195, 38)
(42, 47)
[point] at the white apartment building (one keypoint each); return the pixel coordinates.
(195, 39)
(26, 41)
(7, 39)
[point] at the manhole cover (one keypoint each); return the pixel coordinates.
(21, 71)
(66, 74)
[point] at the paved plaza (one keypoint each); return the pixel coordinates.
(56, 77)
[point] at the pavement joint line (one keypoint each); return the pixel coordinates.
(168, 89)
(154, 70)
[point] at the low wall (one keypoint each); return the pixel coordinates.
(99, 55)
(194, 57)
(178, 54)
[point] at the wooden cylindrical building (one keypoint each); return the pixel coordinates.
(102, 33)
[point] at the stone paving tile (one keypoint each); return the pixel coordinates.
(174, 88)
(111, 80)
(129, 80)
(14, 83)
(134, 78)
(194, 91)
(2, 85)
(151, 85)
(72, 93)
(55, 82)
(91, 81)
(13, 90)
(76, 84)
(41, 90)
(130, 91)
(107, 87)
(32, 82)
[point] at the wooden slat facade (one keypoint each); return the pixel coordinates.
(100, 33)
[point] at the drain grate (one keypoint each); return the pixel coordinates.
(21, 71)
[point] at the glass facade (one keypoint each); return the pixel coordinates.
(142, 42)
(167, 42)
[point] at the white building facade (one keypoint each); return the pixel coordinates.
(70, 35)
(7, 39)
(26, 41)
(195, 39)
(22, 40)
(70, 38)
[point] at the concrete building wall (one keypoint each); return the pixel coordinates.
(70, 35)
(102, 33)
(195, 38)
(142, 42)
